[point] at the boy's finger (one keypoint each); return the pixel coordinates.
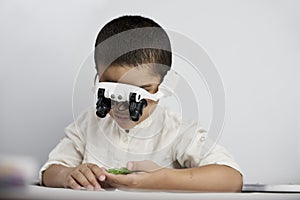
(98, 172)
(120, 180)
(91, 178)
(71, 183)
(112, 178)
(82, 180)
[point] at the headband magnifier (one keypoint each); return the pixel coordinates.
(136, 96)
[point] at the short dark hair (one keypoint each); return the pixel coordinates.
(148, 44)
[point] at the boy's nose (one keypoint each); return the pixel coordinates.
(122, 106)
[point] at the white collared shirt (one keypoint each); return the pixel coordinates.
(163, 138)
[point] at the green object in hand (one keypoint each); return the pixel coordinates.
(122, 170)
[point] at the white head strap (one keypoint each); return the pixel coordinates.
(121, 92)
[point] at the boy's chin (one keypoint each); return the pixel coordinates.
(126, 124)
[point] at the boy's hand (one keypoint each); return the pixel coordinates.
(87, 175)
(125, 181)
(134, 180)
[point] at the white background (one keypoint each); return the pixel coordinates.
(255, 46)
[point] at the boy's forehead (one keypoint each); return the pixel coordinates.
(137, 76)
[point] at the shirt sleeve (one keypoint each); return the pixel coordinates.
(70, 150)
(196, 149)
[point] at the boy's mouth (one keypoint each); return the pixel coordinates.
(121, 116)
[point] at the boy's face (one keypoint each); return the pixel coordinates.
(140, 77)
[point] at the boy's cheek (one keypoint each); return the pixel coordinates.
(151, 102)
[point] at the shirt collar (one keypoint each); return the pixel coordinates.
(154, 120)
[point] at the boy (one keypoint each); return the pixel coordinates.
(154, 142)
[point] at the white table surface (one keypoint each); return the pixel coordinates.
(43, 193)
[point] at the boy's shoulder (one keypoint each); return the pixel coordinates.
(89, 111)
(176, 118)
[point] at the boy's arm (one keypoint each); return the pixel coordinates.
(86, 176)
(54, 176)
(209, 178)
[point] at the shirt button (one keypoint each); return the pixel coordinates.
(125, 139)
(202, 139)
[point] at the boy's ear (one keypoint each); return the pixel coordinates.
(96, 79)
